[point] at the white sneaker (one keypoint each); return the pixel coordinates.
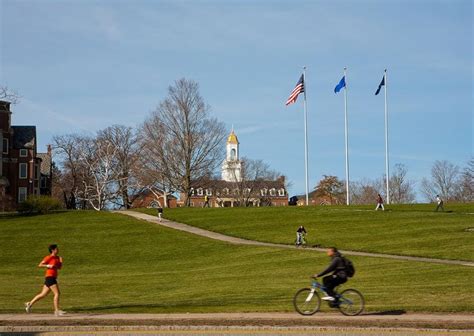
(28, 307)
(328, 298)
(59, 313)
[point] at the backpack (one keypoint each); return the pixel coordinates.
(350, 269)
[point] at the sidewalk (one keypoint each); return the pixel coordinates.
(98, 322)
(240, 241)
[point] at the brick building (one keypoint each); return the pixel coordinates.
(232, 190)
(153, 199)
(21, 168)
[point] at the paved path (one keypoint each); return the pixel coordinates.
(241, 324)
(240, 241)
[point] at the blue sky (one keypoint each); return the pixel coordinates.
(83, 65)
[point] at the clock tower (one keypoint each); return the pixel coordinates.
(232, 166)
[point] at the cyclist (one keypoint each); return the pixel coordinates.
(338, 276)
(299, 235)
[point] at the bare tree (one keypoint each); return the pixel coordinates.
(444, 181)
(467, 183)
(127, 153)
(183, 142)
(9, 95)
(68, 155)
(101, 179)
(365, 191)
(401, 188)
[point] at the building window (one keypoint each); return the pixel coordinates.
(43, 182)
(233, 154)
(200, 192)
(36, 171)
(21, 194)
(5, 146)
(23, 152)
(272, 192)
(281, 192)
(263, 192)
(209, 192)
(225, 191)
(23, 170)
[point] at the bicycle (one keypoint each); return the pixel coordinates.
(301, 240)
(307, 301)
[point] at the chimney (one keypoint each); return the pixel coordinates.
(49, 150)
(5, 114)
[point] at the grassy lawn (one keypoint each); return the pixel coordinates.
(113, 263)
(403, 229)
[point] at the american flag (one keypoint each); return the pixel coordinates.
(296, 91)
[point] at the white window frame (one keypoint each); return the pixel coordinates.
(22, 164)
(281, 192)
(209, 192)
(200, 192)
(5, 146)
(22, 191)
(23, 152)
(263, 192)
(225, 191)
(273, 192)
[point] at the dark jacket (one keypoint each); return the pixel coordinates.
(337, 266)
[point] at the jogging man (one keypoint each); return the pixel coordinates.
(338, 276)
(52, 263)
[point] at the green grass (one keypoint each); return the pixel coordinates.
(414, 230)
(113, 263)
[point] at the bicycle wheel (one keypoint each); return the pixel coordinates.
(351, 302)
(307, 301)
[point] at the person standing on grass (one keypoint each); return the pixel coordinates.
(160, 213)
(379, 203)
(206, 202)
(440, 203)
(52, 263)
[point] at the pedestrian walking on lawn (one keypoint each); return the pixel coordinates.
(440, 203)
(379, 203)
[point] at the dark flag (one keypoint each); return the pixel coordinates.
(382, 83)
(296, 91)
(342, 84)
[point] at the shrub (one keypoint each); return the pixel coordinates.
(39, 204)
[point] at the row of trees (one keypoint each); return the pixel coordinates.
(178, 143)
(447, 180)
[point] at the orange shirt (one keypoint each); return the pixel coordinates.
(55, 262)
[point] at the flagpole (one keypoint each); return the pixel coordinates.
(387, 175)
(305, 137)
(346, 138)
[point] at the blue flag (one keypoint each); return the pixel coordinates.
(342, 84)
(382, 83)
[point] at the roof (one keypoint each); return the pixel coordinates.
(221, 184)
(45, 163)
(24, 137)
(232, 138)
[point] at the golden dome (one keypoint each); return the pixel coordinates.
(232, 139)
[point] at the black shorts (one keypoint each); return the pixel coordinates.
(50, 281)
